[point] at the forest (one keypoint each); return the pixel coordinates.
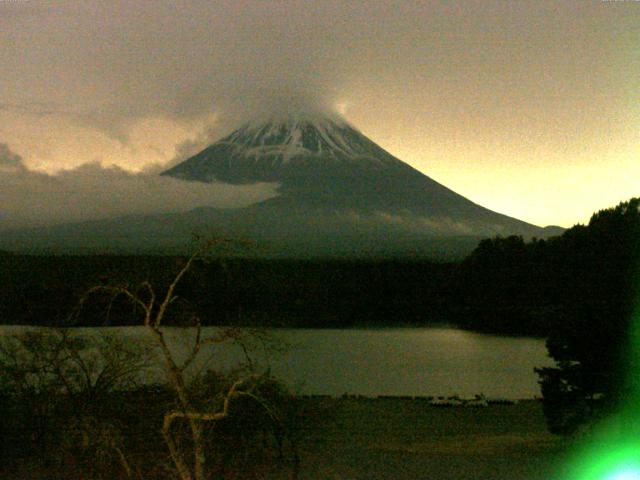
(507, 285)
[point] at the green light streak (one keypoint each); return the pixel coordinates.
(610, 462)
(613, 450)
(631, 474)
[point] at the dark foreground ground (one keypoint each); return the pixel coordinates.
(359, 438)
(408, 439)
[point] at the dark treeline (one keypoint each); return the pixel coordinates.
(590, 336)
(43, 290)
(506, 285)
(584, 277)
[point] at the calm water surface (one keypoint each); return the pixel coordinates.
(407, 361)
(411, 361)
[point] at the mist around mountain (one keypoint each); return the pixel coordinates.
(337, 194)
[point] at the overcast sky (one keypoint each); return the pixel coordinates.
(530, 108)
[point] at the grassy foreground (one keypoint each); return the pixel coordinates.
(358, 438)
(408, 439)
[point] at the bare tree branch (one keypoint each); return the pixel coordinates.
(155, 310)
(169, 295)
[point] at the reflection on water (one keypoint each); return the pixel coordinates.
(407, 361)
(412, 361)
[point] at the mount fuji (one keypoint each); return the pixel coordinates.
(338, 194)
(340, 191)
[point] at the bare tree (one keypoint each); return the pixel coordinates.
(61, 380)
(154, 306)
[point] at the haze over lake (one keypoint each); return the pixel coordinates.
(371, 362)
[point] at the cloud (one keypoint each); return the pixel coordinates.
(188, 148)
(10, 162)
(125, 60)
(33, 108)
(89, 192)
(460, 66)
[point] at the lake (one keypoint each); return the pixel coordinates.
(411, 361)
(371, 362)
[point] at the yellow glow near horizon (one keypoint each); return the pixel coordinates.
(53, 143)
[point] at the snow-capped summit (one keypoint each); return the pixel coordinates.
(276, 147)
(303, 136)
